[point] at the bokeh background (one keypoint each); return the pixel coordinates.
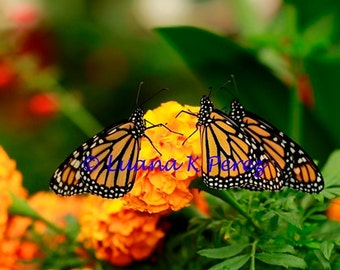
(70, 68)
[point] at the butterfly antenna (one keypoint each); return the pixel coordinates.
(210, 90)
(232, 80)
(138, 93)
(159, 91)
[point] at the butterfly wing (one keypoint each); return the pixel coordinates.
(306, 175)
(293, 165)
(229, 155)
(67, 179)
(105, 165)
(109, 168)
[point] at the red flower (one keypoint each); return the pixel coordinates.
(7, 75)
(45, 104)
(24, 15)
(305, 90)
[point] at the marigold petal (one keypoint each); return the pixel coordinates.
(118, 235)
(12, 228)
(162, 182)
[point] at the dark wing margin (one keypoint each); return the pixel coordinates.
(97, 166)
(297, 169)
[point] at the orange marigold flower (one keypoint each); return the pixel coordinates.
(200, 201)
(55, 209)
(117, 234)
(15, 252)
(333, 211)
(162, 182)
(10, 177)
(12, 247)
(10, 180)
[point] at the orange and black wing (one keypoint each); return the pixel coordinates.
(292, 164)
(230, 157)
(105, 165)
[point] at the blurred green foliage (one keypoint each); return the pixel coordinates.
(101, 54)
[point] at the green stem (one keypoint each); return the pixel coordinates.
(47, 79)
(295, 115)
(20, 207)
(227, 197)
(74, 110)
(53, 227)
(253, 252)
(296, 108)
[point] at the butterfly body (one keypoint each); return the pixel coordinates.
(94, 167)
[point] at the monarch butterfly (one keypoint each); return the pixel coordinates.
(297, 168)
(230, 157)
(94, 167)
(262, 157)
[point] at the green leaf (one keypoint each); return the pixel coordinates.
(331, 193)
(322, 260)
(213, 58)
(319, 197)
(21, 207)
(329, 231)
(232, 264)
(291, 218)
(318, 217)
(331, 170)
(277, 247)
(331, 174)
(268, 215)
(222, 252)
(327, 248)
(285, 260)
(318, 34)
(313, 245)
